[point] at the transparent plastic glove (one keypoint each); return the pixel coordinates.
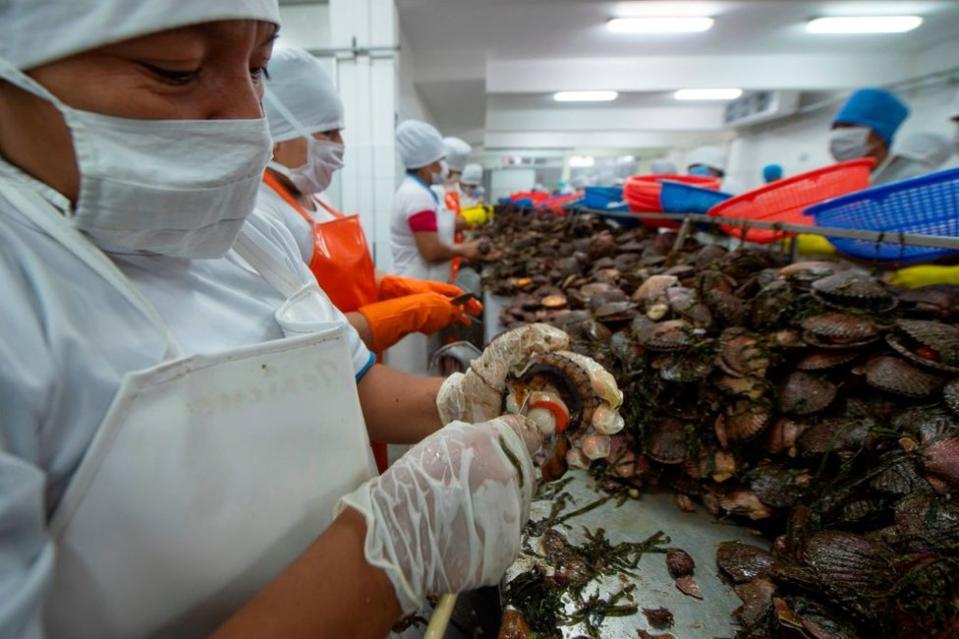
(447, 516)
(477, 395)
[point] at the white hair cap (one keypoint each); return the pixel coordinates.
(457, 152)
(711, 156)
(930, 149)
(300, 96)
(34, 32)
(419, 144)
(663, 167)
(472, 174)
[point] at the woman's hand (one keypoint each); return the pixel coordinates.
(447, 516)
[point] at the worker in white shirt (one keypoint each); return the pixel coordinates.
(912, 155)
(184, 446)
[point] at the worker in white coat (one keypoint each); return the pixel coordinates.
(710, 161)
(421, 247)
(912, 155)
(470, 182)
(182, 447)
(305, 114)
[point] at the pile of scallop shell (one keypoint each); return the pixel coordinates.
(810, 400)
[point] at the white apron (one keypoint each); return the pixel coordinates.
(412, 353)
(209, 475)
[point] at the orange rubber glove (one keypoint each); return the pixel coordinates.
(392, 286)
(391, 320)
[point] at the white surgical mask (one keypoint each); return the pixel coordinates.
(849, 143)
(181, 188)
(323, 159)
(440, 178)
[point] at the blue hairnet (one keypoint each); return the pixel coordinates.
(772, 172)
(878, 109)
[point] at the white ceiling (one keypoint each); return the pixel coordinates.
(455, 43)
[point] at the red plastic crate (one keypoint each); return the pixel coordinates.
(642, 193)
(785, 200)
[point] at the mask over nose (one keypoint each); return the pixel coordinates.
(701, 170)
(181, 188)
(849, 143)
(323, 157)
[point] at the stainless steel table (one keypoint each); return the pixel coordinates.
(636, 520)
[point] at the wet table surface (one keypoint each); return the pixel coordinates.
(697, 533)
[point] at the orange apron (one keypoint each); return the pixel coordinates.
(452, 202)
(342, 265)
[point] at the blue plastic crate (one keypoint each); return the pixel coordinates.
(926, 205)
(605, 198)
(677, 197)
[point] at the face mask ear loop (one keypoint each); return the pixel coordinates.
(270, 97)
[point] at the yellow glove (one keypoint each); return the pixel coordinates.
(925, 275)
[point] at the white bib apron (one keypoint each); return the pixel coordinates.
(209, 475)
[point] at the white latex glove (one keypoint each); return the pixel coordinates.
(477, 395)
(447, 516)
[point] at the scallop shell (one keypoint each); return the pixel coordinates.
(607, 421)
(804, 394)
(848, 564)
(668, 442)
(825, 360)
(899, 345)
(655, 286)
(839, 330)
(942, 459)
(743, 562)
(941, 338)
(746, 420)
(743, 356)
(595, 446)
(665, 336)
(896, 375)
(951, 396)
(850, 289)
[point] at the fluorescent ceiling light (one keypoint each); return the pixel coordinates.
(708, 94)
(581, 161)
(585, 96)
(657, 24)
(864, 24)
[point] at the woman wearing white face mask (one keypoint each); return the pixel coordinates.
(866, 125)
(181, 410)
(421, 242)
(306, 119)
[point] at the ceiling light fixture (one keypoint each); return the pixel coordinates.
(657, 24)
(585, 96)
(708, 94)
(864, 24)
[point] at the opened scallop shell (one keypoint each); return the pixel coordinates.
(839, 330)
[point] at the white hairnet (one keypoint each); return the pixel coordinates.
(930, 149)
(301, 92)
(472, 174)
(457, 152)
(419, 144)
(33, 32)
(663, 167)
(711, 156)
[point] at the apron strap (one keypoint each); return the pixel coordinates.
(274, 271)
(280, 190)
(329, 209)
(50, 220)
